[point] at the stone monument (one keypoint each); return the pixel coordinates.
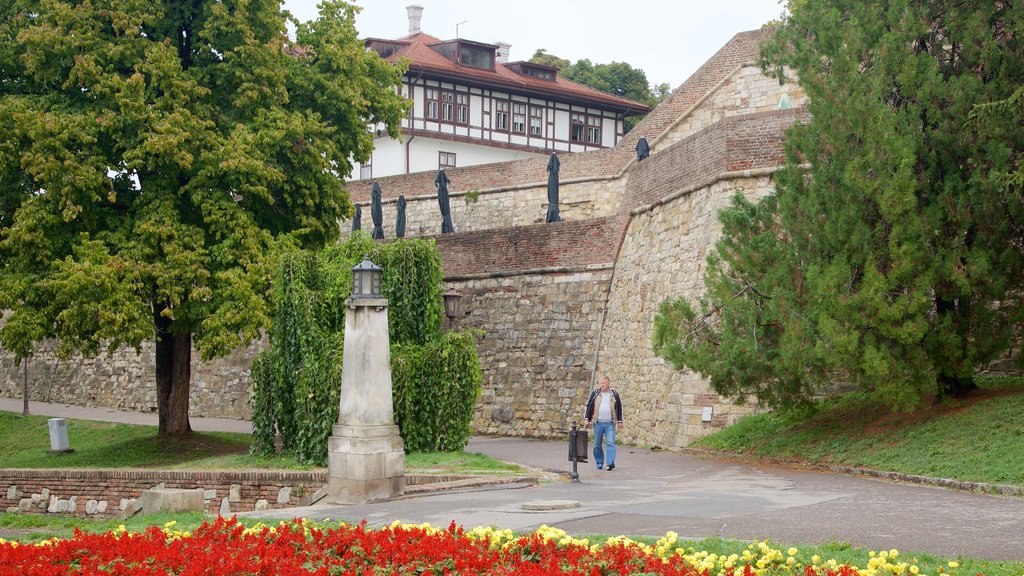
(365, 453)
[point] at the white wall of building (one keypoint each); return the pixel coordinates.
(471, 141)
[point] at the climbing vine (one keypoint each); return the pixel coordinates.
(297, 380)
(435, 389)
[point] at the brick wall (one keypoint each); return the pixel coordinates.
(554, 245)
(108, 493)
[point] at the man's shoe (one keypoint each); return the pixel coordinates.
(611, 467)
(599, 467)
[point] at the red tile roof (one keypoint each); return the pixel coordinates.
(421, 56)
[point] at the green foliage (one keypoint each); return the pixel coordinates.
(541, 56)
(152, 153)
(435, 389)
(889, 256)
(297, 381)
(972, 441)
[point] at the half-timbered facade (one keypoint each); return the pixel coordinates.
(471, 106)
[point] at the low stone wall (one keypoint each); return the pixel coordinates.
(110, 493)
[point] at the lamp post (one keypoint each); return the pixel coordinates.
(452, 302)
(365, 452)
(366, 280)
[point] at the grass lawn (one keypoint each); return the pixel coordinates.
(978, 438)
(25, 443)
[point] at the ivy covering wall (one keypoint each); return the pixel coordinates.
(297, 381)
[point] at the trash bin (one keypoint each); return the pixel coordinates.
(577, 450)
(577, 445)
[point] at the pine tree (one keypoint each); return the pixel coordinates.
(891, 254)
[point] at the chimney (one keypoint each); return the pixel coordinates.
(501, 54)
(415, 14)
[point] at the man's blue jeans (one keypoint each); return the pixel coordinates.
(604, 433)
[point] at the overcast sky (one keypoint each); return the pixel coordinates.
(667, 39)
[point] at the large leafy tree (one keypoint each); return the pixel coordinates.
(153, 153)
(891, 254)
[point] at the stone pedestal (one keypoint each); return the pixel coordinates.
(365, 463)
(365, 453)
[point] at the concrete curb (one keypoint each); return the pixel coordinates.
(476, 482)
(963, 485)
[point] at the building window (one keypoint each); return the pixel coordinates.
(462, 108)
(519, 118)
(594, 130)
(577, 127)
(476, 57)
(430, 110)
(501, 115)
(536, 121)
(585, 129)
(447, 106)
(365, 171)
(446, 159)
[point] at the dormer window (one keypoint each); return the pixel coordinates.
(384, 48)
(476, 57)
(532, 70)
(467, 53)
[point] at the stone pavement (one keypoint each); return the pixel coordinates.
(652, 492)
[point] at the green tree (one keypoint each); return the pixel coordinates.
(541, 56)
(152, 153)
(890, 254)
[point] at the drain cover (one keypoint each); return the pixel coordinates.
(550, 504)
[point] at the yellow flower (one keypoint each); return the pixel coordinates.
(792, 551)
(914, 569)
(953, 565)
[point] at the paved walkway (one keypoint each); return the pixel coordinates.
(652, 492)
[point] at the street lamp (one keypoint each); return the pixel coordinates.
(452, 300)
(366, 280)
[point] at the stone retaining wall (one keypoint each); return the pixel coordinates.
(126, 380)
(110, 493)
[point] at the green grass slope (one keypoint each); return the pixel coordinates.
(979, 438)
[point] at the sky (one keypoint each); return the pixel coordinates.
(667, 39)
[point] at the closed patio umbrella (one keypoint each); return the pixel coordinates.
(442, 181)
(376, 213)
(400, 218)
(643, 150)
(553, 166)
(357, 220)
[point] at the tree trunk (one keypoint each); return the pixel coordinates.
(24, 391)
(956, 386)
(173, 377)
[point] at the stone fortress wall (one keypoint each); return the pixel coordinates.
(552, 301)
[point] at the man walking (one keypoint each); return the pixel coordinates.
(604, 410)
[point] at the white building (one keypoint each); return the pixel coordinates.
(471, 106)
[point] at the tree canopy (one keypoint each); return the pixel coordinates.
(153, 153)
(891, 254)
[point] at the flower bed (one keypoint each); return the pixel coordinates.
(226, 547)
